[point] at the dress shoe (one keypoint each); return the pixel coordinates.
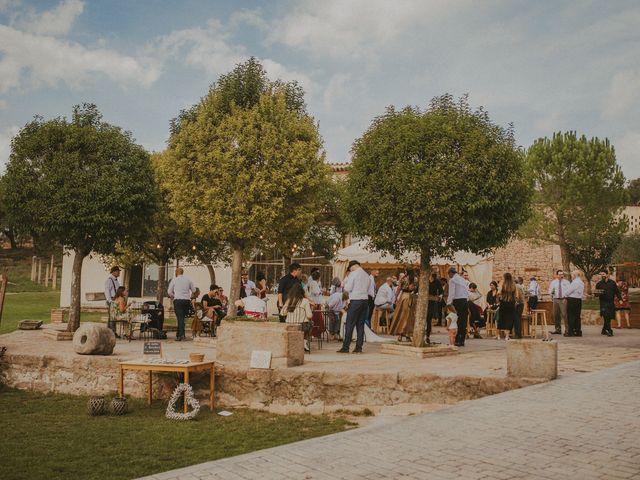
(609, 334)
(342, 351)
(357, 351)
(458, 344)
(579, 334)
(568, 335)
(603, 332)
(556, 332)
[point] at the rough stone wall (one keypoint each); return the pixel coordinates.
(525, 258)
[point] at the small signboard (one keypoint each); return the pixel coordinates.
(260, 359)
(152, 348)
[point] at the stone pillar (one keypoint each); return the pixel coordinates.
(532, 359)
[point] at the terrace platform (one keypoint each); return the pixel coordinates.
(328, 381)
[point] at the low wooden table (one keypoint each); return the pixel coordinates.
(184, 368)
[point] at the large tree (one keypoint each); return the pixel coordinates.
(634, 191)
(576, 180)
(435, 181)
(82, 182)
(628, 250)
(248, 163)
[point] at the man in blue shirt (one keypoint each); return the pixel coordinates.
(358, 285)
(459, 298)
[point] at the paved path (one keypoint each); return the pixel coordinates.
(580, 427)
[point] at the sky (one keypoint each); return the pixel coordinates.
(544, 66)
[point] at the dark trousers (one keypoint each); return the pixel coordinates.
(356, 316)
(110, 323)
(574, 310)
(461, 306)
(181, 308)
(517, 325)
(370, 305)
(334, 323)
(608, 313)
(433, 312)
(533, 302)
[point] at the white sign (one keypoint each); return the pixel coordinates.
(260, 359)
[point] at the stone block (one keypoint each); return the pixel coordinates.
(57, 315)
(418, 352)
(59, 335)
(94, 339)
(532, 359)
(237, 339)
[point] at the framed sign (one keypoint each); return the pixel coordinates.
(152, 348)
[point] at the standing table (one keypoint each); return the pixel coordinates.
(184, 368)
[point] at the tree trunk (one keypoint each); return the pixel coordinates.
(564, 254)
(286, 262)
(236, 279)
(76, 283)
(423, 300)
(12, 238)
(212, 274)
(162, 281)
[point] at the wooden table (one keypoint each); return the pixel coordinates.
(185, 368)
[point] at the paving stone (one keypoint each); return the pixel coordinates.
(581, 426)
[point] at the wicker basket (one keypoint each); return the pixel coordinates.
(196, 357)
(119, 406)
(96, 406)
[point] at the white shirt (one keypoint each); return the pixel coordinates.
(576, 288)
(372, 286)
(315, 291)
(554, 288)
(385, 295)
(534, 289)
(181, 288)
(358, 284)
(475, 297)
(254, 304)
(335, 302)
(302, 312)
(111, 284)
(457, 289)
(250, 285)
(453, 321)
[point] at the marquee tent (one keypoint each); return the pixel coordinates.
(480, 267)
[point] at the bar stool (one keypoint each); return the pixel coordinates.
(490, 326)
(379, 320)
(539, 319)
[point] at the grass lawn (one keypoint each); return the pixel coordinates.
(51, 436)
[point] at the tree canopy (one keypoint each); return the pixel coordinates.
(435, 181)
(634, 191)
(82, 182)
(578, 186)
(247, 164)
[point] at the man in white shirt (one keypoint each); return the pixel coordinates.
(111, 285)
(358, 285)
(533, 291)
(385, 298)
(459, 298)
(247, 284)
(558, 291)
(575, 292)
(180, 290)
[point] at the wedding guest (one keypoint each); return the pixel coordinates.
(357, 284)
(315, 288)
(372, 294)
(180, 290)
(435, 296)
(385, 298)
(261, 283)
(508, 297)
(443, 300)
(285, 284)
(336, 286)
(297, 309)
(533, 290)
(247, 285)
(335, 305)
(557, 290)
(607, 290)
(119, 308)
(111, 285)
(253, 306)
(575, 292)
(475, 307)
(452, 325)
(404, 315)
(459, 298)
(520, 303)
(622, 304)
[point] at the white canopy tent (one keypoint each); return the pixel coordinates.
(480, 268)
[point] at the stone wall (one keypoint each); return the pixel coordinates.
(525, 258)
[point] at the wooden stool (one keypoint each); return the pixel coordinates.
(379, 314)
(490, 326)
(539, 319)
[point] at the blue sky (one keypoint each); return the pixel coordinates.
(545, 66)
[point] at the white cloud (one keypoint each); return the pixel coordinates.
(359, 27)
(336, 89)
(3, 104)
(5, 144)
(30, 60)
(57, 21)
(623, 94)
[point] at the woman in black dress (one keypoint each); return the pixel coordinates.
(507, 298)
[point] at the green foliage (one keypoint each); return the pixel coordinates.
(436, 181)
(633, 190)
(83, 183)
(577, 183)
(137, 444)
(628, 250)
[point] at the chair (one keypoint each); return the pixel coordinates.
(318, 328)
(491, 326)
(539, 319)
(379, 320)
